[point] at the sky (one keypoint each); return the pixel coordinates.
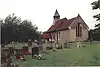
(41, 12)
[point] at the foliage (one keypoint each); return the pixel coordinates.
(96, 5)
(90, 38)
(14, 29)
(96, 32)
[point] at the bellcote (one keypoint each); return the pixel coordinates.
(56, 15)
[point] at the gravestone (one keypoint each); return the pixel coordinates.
(53, 45)
(11, 50)
(5, 57)
(35, 50)
(18, 49)
(25, 49)
(56, 45)
(40, 49)
(78, 44)
(29, 42)
(44, 45)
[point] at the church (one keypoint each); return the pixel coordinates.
(70, 30)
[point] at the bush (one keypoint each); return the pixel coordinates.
(96, 36)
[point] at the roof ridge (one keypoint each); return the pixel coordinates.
(72, 18)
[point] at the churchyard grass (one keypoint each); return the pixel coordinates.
(87, 56)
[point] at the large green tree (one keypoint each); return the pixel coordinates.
(96, 32)
(96, 5)
(14, 29)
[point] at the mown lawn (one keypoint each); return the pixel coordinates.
(87, 56)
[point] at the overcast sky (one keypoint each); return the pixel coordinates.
(41, 12)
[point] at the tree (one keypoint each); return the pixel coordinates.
(8, 29)
(27, 31)
(96, 5)
(96, 32)
(14, 29)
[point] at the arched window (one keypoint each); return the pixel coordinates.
(78, 30)
(59, 35)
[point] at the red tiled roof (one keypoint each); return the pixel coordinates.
(45, 36)
(65, 24)
(61, 24)
(54, 27)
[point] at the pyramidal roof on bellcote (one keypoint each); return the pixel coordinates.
(56, 13)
